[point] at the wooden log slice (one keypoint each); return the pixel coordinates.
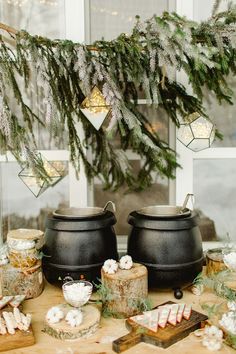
(127, 290)
(62, 330)
(17, 281)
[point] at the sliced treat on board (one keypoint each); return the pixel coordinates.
(180, 312)
(187, 312)
(148, 319)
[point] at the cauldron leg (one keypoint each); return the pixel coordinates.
(178, 293)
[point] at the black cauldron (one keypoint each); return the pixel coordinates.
(77, 242)
(168, 244)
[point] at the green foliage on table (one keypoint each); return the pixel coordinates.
(147, 61)
(217, 283)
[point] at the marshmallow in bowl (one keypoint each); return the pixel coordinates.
(78, 291)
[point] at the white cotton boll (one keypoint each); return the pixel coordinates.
(231, 305)
(54, 315)
(74, 318)
(212, 345)
(228, 322)
(110, 266)
(212, 338)
(230, 260)
(126, 262)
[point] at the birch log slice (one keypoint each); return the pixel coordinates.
(62, 330)
(127, 289)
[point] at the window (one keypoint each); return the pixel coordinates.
(107, 19)
(18, 206)
(209, 174)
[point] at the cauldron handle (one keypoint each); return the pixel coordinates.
(110, 203)
(182, 209)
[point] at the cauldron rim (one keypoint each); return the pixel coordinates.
(163, 223)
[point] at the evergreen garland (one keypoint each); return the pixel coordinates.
(146, 61)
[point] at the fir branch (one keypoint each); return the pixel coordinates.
(146, 59)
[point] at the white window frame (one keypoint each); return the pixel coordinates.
(185, 156)
(74, 30)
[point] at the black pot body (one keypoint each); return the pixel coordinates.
(171, 249)
(78, 247)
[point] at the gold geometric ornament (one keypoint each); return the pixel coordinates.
(36, 184)
(94, 108)
(196, 133)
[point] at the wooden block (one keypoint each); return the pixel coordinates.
(18, 340)
(164, 337)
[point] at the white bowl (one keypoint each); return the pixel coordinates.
(77, 292)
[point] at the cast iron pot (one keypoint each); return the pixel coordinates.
(77, 242)
(168, 243)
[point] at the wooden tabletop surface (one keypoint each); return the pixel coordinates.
(110, 328)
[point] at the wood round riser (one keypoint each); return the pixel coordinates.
(127, 288)
(62, 330)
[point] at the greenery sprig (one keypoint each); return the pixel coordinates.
(143, 63)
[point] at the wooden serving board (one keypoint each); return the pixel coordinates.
(18, 340)
(164, 337)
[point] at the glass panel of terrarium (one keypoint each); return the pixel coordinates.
(108, 19)
(215, 195)
(20, 208)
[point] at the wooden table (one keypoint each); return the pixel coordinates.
(110, 329)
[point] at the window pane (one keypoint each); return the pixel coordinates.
(19, 208)
(158, 119)
(42, 17)
(224, 117)
(158, 193)
(215, 195)
(109, 19)
(46, 18)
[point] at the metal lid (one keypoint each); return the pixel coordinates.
(77, 213)
(164, 211)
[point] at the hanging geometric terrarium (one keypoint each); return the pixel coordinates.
(197, 133)
(94, 108)
(36, 184)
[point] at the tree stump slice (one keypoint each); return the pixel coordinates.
(62, 330)
(27, 281)
(127, 289)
